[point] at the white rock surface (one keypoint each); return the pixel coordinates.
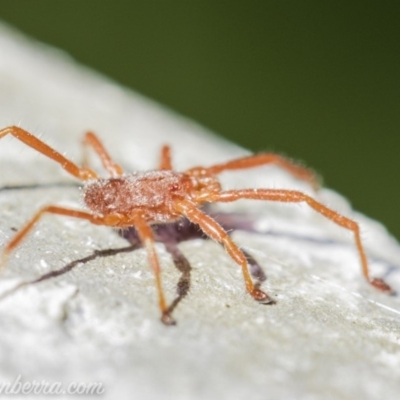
(330, 336)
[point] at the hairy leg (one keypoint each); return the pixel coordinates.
(213, 230)
(91, 139)
(292, 196)
(147, 238)
(165, 160)
(22, 233)
(258, 160)
(32, 141)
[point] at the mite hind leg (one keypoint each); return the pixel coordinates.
(293, 196)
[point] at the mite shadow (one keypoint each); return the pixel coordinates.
(170, 235)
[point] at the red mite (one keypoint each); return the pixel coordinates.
(142, 199)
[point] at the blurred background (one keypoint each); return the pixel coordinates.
(317, 81)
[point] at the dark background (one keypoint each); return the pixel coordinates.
(316, 80)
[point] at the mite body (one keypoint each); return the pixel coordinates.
(152, 193)
(143, 199)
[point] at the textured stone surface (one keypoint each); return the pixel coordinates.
(330, 336)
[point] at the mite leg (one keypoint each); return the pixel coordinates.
(147, 238)
(162, 234)
(165, 160)
(90, 139)
(41, 147)
(292, 196)
(212, 229)
(258, 160)
(21, 234)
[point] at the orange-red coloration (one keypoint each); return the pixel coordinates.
(153, 194)
(163, 195)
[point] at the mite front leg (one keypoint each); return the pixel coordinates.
(213, 230)
(292, 196)
(41, 147)
(90, 139)
(147, 238)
